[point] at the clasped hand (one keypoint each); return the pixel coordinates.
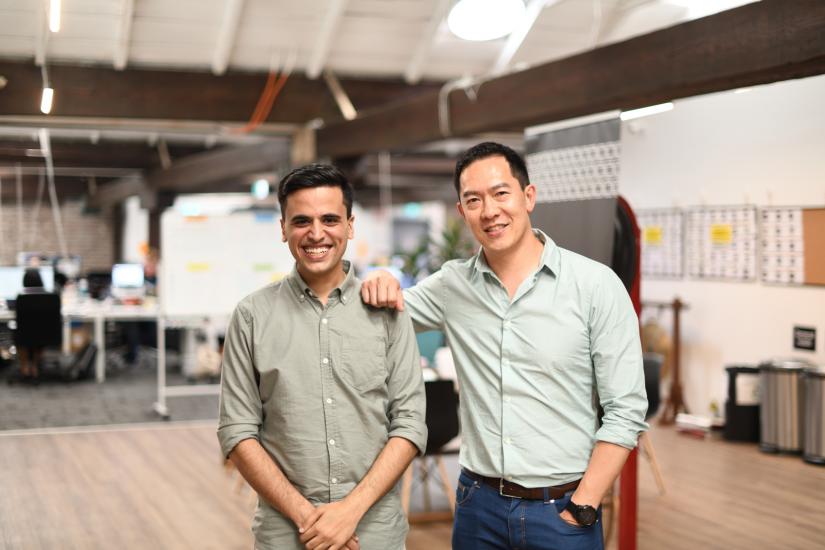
(331, 526)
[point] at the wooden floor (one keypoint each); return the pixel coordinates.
(162, 486)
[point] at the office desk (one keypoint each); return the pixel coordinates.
(100, 312)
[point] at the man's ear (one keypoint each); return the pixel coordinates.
(530, 196)
(351, 227)
(460, 210)
(283, 231)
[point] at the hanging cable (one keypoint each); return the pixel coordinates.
(58, 220)
(41, 186)
(2, 240)
(273, 87)
(18, 173)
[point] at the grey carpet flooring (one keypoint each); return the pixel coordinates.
(125, 397)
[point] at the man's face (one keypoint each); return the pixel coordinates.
(494, 205)
(316, 228)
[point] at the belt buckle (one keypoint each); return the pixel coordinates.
(501, 492)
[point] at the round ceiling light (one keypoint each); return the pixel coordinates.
(480, 20)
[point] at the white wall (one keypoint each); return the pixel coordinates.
(765, 147)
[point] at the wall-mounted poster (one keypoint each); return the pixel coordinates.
(662, 237)
(721, 242)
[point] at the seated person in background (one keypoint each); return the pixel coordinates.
(29, 355)
(322, 399)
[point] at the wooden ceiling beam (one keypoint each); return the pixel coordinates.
(758, 43)
(82, 91)
(198, 172)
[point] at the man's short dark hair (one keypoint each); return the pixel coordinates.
(32, 279)
(491, 149)
(314, 175)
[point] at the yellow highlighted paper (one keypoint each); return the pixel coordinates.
(721, 233)
(653, 235)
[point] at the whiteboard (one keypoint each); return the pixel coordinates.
(209, 263)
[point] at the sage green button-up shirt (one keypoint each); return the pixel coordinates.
(322, 389)
(531, 369)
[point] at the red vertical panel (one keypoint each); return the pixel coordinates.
(628, 483)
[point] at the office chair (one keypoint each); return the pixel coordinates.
(39, 323)
(443, 427)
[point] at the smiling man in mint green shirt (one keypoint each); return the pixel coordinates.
(540, 336)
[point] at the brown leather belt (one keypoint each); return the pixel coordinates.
(509, 489)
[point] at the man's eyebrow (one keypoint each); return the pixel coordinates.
(495, 187)
(330, 217)
(299, 218)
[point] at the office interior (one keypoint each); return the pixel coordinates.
(141, 144)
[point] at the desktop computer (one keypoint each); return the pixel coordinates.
(128, 283)
(11, 281)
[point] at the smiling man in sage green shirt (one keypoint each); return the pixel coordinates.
(322, 399)
(541, 336)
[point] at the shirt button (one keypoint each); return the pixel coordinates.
(332, 442)
(507, 323)
(329, 401)
(325, 360)
(507, 399)
(324, 320)
(506, 363)
(507, 440)
(334, 480)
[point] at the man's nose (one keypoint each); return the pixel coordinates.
(316, 230)
(488, 209)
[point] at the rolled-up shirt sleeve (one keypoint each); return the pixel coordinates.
(425, 303)
(240, 415)
(407, 401)
(616, 353)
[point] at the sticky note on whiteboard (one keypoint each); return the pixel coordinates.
(197, 267)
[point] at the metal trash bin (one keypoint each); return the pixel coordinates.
(742, 404)
(814, 440)
(781, 412)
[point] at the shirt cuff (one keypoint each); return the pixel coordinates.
(229, 435)
(413, 432)
(627, 438)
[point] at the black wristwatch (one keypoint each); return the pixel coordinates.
(584, 514)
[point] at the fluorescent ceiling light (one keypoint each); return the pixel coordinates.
(479, 20)
(646, 111)
(54, 15)
(46, 100)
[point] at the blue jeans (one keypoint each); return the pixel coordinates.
(486, 520)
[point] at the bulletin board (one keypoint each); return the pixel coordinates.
(211, 262)
(721, 242)
(662, 232)
(793, 245)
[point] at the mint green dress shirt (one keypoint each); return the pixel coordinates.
(533, 369)
(322, 388)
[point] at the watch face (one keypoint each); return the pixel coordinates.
(586, 515)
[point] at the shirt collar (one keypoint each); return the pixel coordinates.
(344, 290)
(550, 256)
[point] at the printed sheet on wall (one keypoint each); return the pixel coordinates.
(721, 243)
(662, 232)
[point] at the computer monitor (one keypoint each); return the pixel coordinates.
(127, 281)
(11, 280)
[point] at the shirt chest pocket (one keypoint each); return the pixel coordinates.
(363, 362)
